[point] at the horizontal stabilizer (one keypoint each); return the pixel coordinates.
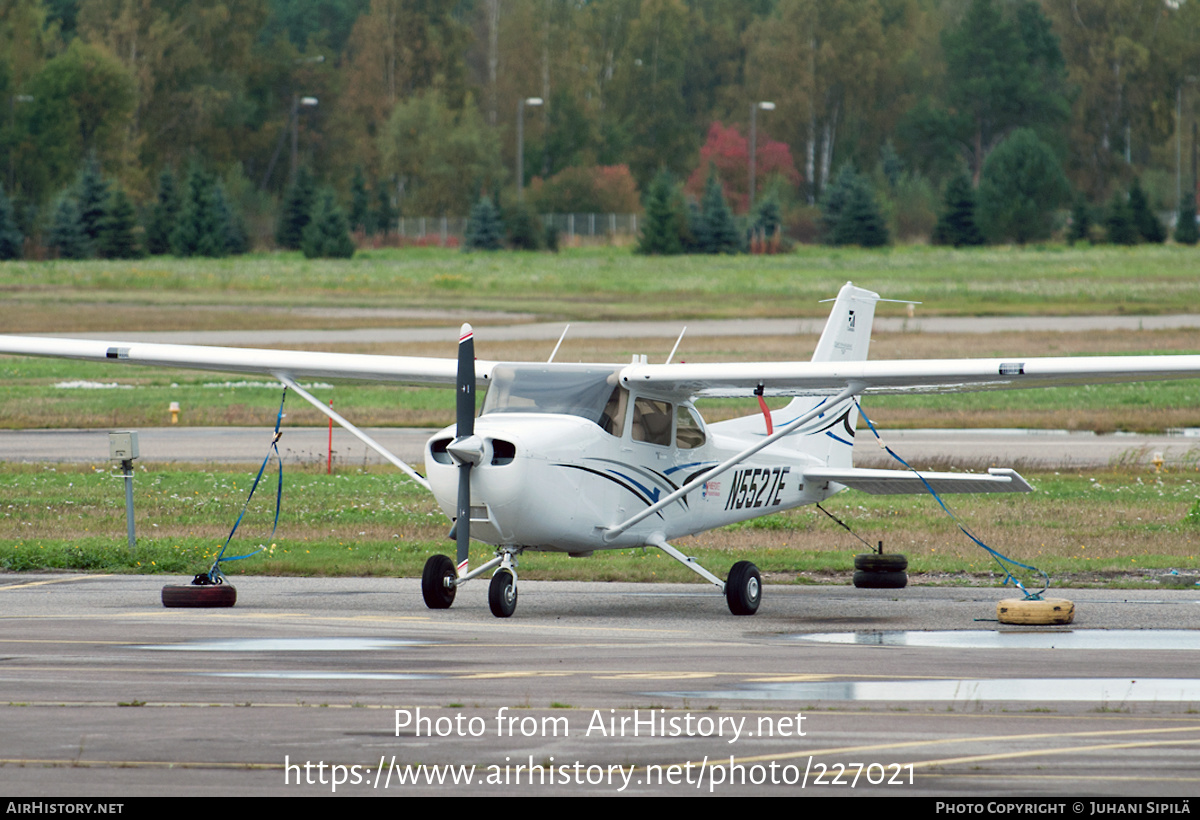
(900, 482)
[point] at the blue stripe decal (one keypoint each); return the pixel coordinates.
(842, 440)
(651, 494)
(686, 466)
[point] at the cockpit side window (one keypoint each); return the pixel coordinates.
(652, 422)
(689, 433)
(612, 420)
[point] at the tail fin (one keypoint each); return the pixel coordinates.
(847, 335)
(846, 338)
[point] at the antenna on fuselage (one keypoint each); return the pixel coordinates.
(671, 355)
(554, 352)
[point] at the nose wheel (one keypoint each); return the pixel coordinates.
(502, 593)
(437, 582)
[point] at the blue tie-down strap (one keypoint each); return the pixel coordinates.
(215, 572)
(1002, 560)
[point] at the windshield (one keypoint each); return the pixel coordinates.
(583, 390)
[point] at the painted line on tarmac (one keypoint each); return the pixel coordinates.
(1145, 744)
(72, 579)
(917, 744)
(133, 764)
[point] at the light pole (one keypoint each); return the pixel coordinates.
(12, 160)
(297, 102)
(765, 106)
(292, 126)
(532, 102)
(1179, 140)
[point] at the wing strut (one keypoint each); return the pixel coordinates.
(354, 431)
(852, 389)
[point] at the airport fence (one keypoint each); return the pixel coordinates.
(569, 226)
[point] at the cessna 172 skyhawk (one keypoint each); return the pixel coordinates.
(582, 457)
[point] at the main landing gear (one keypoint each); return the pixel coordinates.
(743, 589)
(440, 581)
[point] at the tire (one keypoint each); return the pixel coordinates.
(881, 562)
(1038, 613)
(433, 587)
(502, 594)
(880, 580)
(743, 589)
(198, 596)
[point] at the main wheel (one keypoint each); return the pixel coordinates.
(880, 580)
(1036, 613)
(881, 562)
(433, 582)
(743, 589)
(502, 594)
(199, 595)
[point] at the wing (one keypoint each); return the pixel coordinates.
(293, 363)
(898, 482)
(678, 381)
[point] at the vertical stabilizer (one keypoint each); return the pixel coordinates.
(847, 334)
(846, 338)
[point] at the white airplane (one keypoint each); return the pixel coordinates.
(582, 457)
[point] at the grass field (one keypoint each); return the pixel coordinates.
(1108, 527)
(591, 283)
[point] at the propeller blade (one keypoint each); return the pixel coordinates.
(465, 406)
(465, 428)
(462, 526)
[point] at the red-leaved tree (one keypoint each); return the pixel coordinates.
(729, 151)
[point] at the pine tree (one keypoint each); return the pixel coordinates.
(1021, 187)
(189, 226)
(1119, 221)
(360, 216)
(213, 224)
(1185, 226)
(117, 239)
(297, 210)
(12, 241)
(66, 237)
(92, 198)
(664, 218)
(850, 214)
(1081, 221)
(834, 200)
(720, 231)
(163, 215)
(956, 226)
(695, 235)
(484, 228)
(384, 216)
(327, 234)
(237, 240)
(1148, 226)
(861, 223)
(767, 217)
(524, 231)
